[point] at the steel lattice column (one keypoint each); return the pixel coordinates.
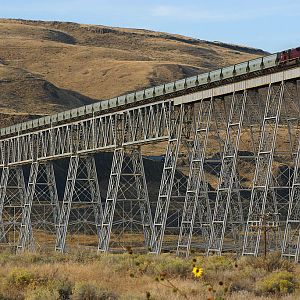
(197, 191)
(95, 192)
(41, 187)
(3, 186)
(291, 242)
(12, 202)
(26, 238)
(111, 198)
(290, 247)
(167, 180)
(142, 195)
(88, 182)
(51, 185)
(228, 196)
(66, 205)
(262, 196)
(127, 180)
(285, 153)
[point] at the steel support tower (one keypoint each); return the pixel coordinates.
(263, 199)
(196, 199)
(228, 200)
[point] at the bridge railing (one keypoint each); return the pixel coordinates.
(137, 125)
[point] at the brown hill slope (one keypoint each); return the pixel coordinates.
(24, 95)
(49, 66)
(22, 91)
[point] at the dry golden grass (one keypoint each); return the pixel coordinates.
(132, 276)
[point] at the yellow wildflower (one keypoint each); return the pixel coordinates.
(197, 272)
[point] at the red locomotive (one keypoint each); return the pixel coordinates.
(289, 55)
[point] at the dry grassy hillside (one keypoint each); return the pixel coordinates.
(53, 66)
(83, 276)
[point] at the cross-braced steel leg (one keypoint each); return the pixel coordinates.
(167, 180)
(228, 196)
(81, 191)
(142, 195)
(291, 242)
(3, 186)
(42, 194)
(12, 202)
(111, 198)
(290, 216)
(66, 205)
(51, 186)
(196, 195)
(26, 238)
(127, 184)
(95, 192)
(286, 153)
(263, 199)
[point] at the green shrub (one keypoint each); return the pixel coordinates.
(15, 295)
(20, 278)
(170, 265)
(279, 282)
(243, 278)
(147, 264)
(271, 263)
(64, 289)
(214, 268)
(11, 293)
(87, 291)
(42, 293)
(119, 262)
(3, 297)
(214, 262)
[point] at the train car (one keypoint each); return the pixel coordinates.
(289, 56)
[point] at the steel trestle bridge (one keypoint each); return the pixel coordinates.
(237, 130)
